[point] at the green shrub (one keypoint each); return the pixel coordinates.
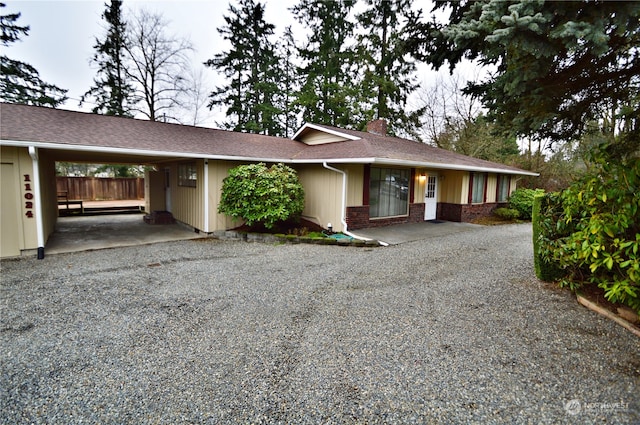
(262, 195)
(543, 223)
(522, 201)
(592, 230)
(507, 213)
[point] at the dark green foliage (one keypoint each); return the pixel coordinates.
(389, 73)
(507, 213)
(253, 69)
(330, 92)
(288, 84)
(522, 201)
(543, 219)
(262, 195)
(19, 81)
(558, 64)
(113, 93)
(592, 230)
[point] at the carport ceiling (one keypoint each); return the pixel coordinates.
(105, 157)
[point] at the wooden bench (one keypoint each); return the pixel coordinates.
(63, 199)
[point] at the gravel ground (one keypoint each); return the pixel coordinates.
(448, 330)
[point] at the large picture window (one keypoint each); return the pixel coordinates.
(503, 188)
(187, 175)
(388, 192)
(478, 184)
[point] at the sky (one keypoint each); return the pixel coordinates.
(63, 32)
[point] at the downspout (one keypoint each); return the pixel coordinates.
(343, 219)
(33, 153)
(206, 196)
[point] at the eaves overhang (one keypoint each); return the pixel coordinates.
(135, 152)
(176, 154)
(416, 164)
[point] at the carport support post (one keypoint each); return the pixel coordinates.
(33, 152)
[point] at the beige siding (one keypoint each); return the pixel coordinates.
(453, 187)
(319, 138)
(492, 187)
(187, 203)
(218, 170)
(323, 194)
(355, 184)
(154, 196)
(10, 220)
(16, 162)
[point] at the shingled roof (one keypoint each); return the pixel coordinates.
(382, 149)
(22, 125)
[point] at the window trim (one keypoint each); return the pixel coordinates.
(188, 174)
(471, 186)
(502, 177)
(410, 188)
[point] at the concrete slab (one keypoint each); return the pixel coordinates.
(83, 233)
(401, 233)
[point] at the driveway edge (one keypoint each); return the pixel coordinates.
(609, 315)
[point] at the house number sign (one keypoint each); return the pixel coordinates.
(28, 196)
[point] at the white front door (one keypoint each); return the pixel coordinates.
(431, 198)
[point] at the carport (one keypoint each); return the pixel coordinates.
(86, 233)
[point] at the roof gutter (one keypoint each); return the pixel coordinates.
(418, 164)
(161, 154)
(136, 152)
(343, 212)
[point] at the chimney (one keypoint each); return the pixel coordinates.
(378, 127)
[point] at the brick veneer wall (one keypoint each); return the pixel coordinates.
(466, 212)
(358, 217)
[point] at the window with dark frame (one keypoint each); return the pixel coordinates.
(388, 192)
(504, 182)
(187, 174)
(478, 187)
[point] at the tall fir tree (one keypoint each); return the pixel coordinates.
(251, 67)
(19, 81)
(113, 93)
(288, 83)
(329, 94)
(389, 76)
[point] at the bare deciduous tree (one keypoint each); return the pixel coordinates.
(157, 65)
(456, 122)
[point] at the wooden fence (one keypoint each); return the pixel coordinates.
(101, 189)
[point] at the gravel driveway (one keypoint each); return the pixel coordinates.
(448, 330)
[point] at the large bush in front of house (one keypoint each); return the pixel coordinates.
(262, 195)
(522, 201)
(591, 231)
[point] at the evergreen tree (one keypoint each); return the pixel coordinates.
(289, 84)
(390, 73)
(330, 94)
(559, 65)
(19, 81)
(251, 67)
(113, 93)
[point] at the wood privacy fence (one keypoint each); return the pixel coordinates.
(101, 189)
